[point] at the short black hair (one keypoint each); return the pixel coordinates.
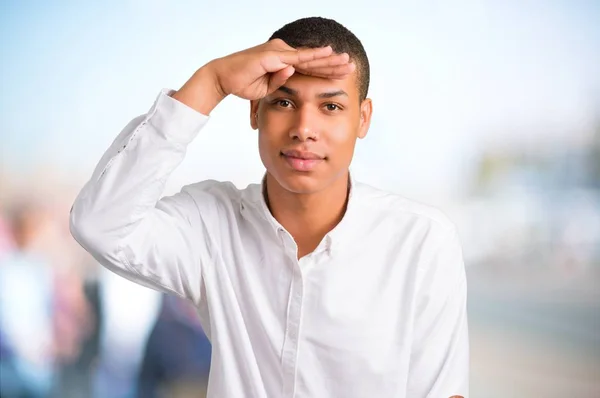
(316, 32)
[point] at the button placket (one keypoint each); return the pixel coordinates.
(290, 351)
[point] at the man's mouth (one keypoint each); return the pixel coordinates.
(302, 160)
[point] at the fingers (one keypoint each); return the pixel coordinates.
(332, 66)
(303, 55)
(332, 60)
(329, 72)
(319, 62)
(279, 78)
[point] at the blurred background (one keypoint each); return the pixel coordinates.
(487, 110)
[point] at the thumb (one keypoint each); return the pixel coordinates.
(279, 78)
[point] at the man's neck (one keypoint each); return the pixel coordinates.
(307, 217)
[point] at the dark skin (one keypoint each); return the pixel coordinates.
(296, 104)
(323, 116)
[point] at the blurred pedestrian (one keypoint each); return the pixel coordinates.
(175, 370)
(26, 311)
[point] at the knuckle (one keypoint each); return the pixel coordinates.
(270, 54)
(278, 42)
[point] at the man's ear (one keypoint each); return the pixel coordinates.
(366, 111)
(254, 114)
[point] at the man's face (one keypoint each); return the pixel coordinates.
(308, 129)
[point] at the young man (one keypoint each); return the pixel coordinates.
(309, 284)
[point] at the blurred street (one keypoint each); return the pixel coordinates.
(534, 341)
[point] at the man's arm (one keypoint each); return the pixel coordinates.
(439, 364)
(118, 217)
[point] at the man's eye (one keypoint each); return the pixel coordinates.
(332, 107)
(283, 103)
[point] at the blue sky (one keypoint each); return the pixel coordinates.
(448, 78)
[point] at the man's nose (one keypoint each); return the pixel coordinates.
(305, 126)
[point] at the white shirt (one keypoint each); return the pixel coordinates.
(377, 310)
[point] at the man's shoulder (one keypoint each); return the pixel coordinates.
(212, 188)
(397, 206)
(220, 192)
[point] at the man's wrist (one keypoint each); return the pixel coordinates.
(202, 91)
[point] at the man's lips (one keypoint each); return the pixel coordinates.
(302, 160)
(306, 155)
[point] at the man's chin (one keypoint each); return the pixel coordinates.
(300, 183)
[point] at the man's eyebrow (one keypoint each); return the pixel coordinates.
(331, 94)
(288, 90)
(328, 94)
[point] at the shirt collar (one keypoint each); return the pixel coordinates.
(253, 197)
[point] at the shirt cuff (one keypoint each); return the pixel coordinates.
(176, 121)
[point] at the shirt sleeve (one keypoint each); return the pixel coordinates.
(439, 363)
(118, 217)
